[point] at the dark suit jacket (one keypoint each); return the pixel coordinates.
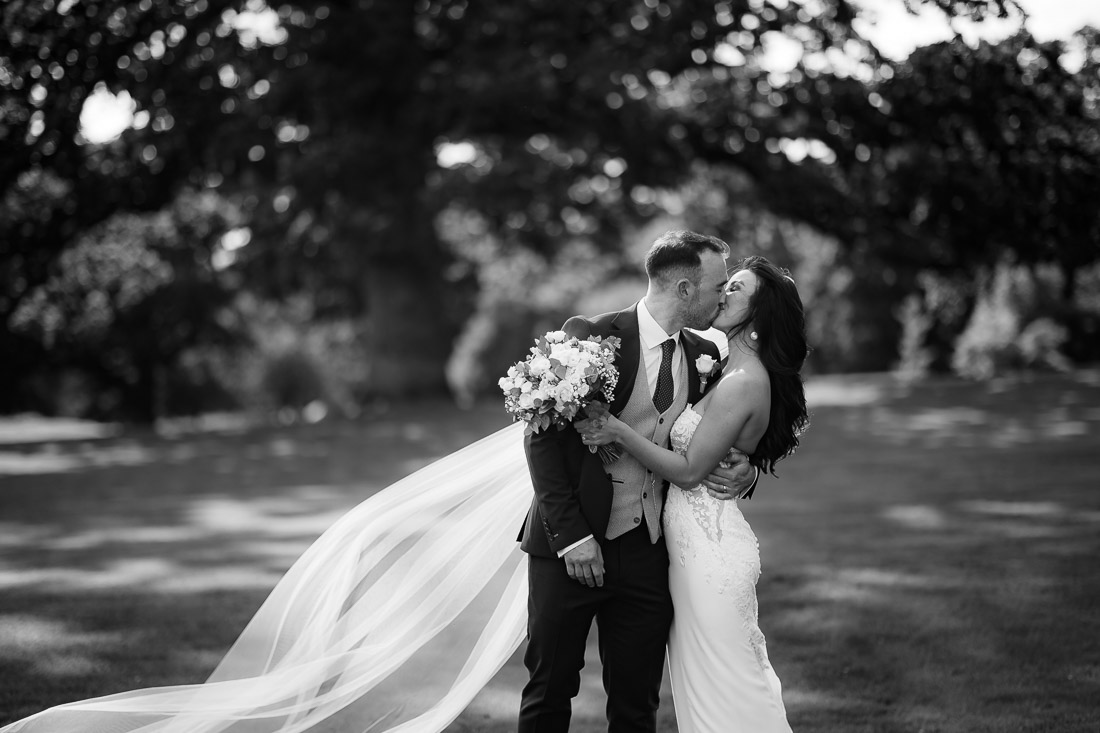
(572, 491)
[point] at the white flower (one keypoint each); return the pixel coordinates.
(566, 356)
(705, 364)
(540, 365)
(556, 337)
(526, 400)
(565, 392)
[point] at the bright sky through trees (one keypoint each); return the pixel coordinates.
(885, 22)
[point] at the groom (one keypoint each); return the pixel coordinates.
(593, 532)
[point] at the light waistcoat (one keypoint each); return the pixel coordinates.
(637, 492)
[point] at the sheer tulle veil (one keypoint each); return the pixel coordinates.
(391, 621)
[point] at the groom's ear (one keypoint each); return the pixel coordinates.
(684, 288)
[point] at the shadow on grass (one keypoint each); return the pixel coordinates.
(925, 572)
(927, 554)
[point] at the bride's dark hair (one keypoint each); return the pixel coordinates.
(776, 314)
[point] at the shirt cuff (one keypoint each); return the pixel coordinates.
(578, 543)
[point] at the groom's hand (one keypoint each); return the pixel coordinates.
(732, 478)
(584, 563)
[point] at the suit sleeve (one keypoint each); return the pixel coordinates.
(711, 348)
(555, 490)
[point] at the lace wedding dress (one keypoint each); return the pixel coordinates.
(722, 681)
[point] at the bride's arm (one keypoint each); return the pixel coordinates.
(734, 401)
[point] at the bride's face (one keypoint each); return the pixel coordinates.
(739, 291)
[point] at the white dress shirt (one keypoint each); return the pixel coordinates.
(652, 336)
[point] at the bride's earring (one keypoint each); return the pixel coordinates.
(753, 335)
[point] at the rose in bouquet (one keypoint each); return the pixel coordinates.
(559, 379)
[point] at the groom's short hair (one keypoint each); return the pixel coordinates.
(677, 254)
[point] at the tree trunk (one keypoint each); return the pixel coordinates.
(410, 328)
(1069, 285)
(142, 395)
(410, 331)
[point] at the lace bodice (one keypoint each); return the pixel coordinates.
(683, 429)
(720, 531)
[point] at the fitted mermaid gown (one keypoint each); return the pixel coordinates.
(722, 681)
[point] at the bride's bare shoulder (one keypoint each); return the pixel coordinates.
(749, 383)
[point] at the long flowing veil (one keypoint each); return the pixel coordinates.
(391, 621)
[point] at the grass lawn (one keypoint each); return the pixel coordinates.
(930, 555)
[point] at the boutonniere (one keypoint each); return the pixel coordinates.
(706, 365)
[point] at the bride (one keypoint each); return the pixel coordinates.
(722, 680)
(404, 609)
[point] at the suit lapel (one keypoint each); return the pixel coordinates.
(691, 351)
(625, 327)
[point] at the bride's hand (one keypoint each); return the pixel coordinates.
(601, 430)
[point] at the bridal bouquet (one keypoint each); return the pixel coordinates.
(559, 378)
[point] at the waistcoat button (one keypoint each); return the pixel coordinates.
(637, 520)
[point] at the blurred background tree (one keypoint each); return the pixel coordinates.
(339, 201)
(975, 162)
(127, 299)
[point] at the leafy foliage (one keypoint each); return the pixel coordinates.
(133, 293)
(962, 155)
(1011, 327)
(342, 131)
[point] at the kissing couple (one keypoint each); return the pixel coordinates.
(402, 611)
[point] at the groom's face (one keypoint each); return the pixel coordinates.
(707, 299)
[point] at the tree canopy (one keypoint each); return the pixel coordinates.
(339, 132)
